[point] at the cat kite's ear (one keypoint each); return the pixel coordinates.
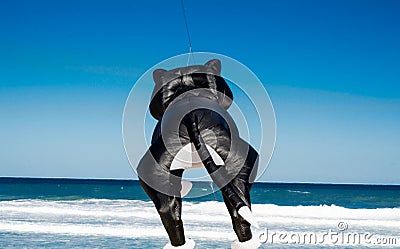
(214, 66)
(157, 74)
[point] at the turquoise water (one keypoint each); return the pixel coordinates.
(285, 194)
(67, 213)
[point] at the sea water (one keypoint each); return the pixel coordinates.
(68, 213)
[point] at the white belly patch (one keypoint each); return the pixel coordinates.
(188, 158)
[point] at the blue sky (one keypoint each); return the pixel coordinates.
(331, 69)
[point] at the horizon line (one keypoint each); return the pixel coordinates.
(131, 179)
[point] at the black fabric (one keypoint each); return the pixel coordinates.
(168, 84)
(192, 108)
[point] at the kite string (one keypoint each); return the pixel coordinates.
(187, 31)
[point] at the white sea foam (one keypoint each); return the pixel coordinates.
(299, 192)
(209, 220)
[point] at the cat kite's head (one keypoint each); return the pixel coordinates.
(169, 84)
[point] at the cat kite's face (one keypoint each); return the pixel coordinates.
(171, 84)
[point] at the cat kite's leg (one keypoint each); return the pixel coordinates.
(153, 175)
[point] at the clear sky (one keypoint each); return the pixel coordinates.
(331, 69)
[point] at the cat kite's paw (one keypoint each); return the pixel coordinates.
(254, 243)
(188, 245)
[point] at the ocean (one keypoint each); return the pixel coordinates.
(75, 213)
